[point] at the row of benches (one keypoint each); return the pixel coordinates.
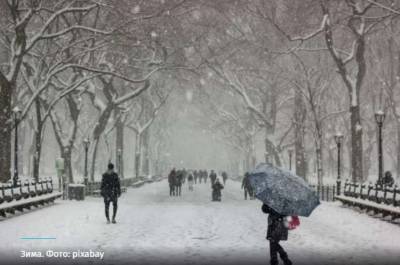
(372, 198)
(375, 193)
(26, 195)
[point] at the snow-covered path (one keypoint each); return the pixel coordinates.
(155, 228)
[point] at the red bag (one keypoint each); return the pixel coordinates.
(294, 222)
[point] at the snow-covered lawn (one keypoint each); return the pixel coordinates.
(154, 228)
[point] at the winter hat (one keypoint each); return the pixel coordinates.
(110, 166)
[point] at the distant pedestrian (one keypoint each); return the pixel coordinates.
(195, 175)
(246, 186)
(190, 181)
(205, 176)
(213, 177)
(216, 190)
(171, 182)
(224, 176)
(388, 179)
(110, 190)
(276, 232)
(178, 183)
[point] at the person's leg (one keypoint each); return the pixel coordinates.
(115, 208)
(283, 254)
(107, 207)
(245, 193)
(273, 252)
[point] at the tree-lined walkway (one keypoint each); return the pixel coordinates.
(156, 228)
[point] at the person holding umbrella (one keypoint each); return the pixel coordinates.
(283, 195)
(276, 232)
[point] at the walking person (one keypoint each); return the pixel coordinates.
(216, 190)
(213, 177)
(205, 176)
(224, 176)
(195, 175)
(276, 232)
(171, 182)
(191, 178)
(110, 190)
(247, 187)
(178, 183)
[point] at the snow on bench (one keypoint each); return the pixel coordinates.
(25, 195)
(30, 201)
(369, 204)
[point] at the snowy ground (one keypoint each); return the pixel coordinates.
(154, 228)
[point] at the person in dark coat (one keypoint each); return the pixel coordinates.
(190, 181)
(224, 176)
(195, 175)
(178, 183)
(388, 179)
(216, 190)
(276, 232)
(110, 190)
(205, 176)
(247, 187)
(171, 182)
(213, 177)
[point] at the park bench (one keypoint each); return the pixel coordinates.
(26, 195)
(372, 198)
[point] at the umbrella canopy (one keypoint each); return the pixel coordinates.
(283, 191)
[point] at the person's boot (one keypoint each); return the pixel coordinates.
(113, 221)
(287, 261)
(274, 262)
(108, 220)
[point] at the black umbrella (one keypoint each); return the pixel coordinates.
(283, 191)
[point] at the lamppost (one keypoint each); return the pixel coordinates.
(380, 117)
(338, 140)
(86, 144)
(17, 117)
(290, 151)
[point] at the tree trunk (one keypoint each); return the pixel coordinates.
(38, 141)
(120, 146)
(145, 152)
(137, 154)
(299, 132)
(356, 145)
(272, 152)
(94, 157)
(5, 129)
(319, 164)
(66, 155)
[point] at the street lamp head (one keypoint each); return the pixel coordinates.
(17, 112)
(86, 142)
(119, 151)
(379, 117)
(338, 138)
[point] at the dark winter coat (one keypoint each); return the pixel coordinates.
(172, 177)
(190, 178)
(217, 187)
(388, 180)
(110, 185)
(246, 182)
(276, 228)
(213, 176)
(179, 178)
(224, 175)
